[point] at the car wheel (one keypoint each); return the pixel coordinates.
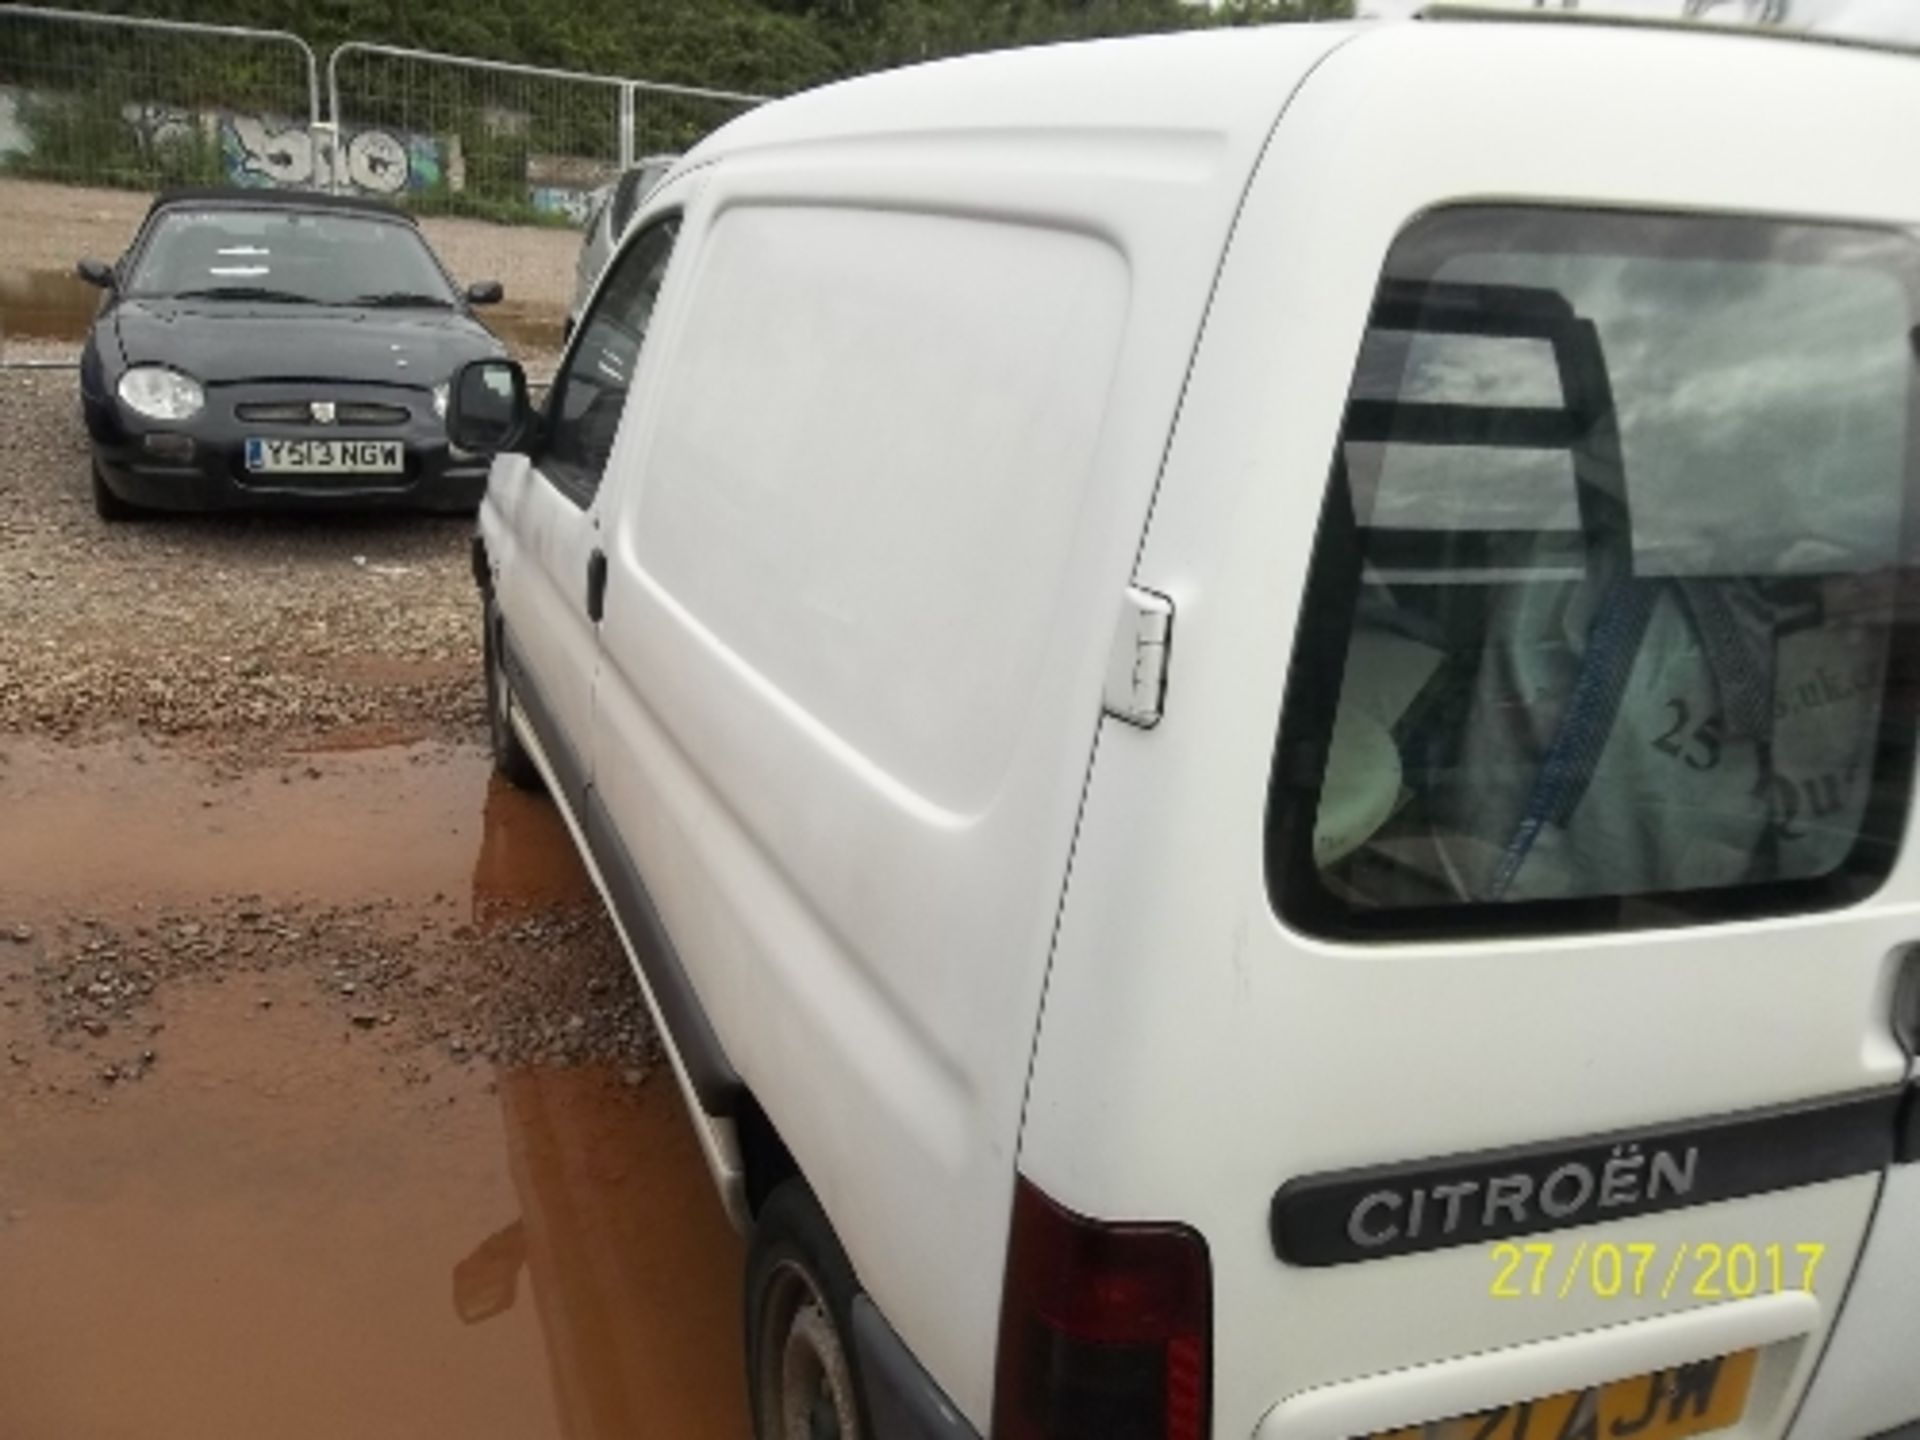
(802, 1378)
(107, 505)
(510, 758)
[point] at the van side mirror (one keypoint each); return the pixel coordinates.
(486, 292)
(488, 411)
(96, 273)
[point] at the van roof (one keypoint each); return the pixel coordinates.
(1455, 10)
(1213, 82)
(1192, 81)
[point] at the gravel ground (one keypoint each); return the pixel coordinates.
(237, 633)
(247, 642)
(515, 988)
(241, 634)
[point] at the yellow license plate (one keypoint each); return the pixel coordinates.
(1672, 1404)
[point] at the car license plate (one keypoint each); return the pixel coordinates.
(1686, 1400)
(326, 457)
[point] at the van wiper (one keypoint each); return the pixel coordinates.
(245, 292)
(402, 300)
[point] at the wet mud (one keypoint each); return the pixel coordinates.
(45, 305)
(112, 828)
(287, 1216)
(328, 1104)
(530, 327)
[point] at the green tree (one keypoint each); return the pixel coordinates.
(769, 46)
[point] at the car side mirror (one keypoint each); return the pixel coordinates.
(96, 273)
(488, 411)
(486, 292)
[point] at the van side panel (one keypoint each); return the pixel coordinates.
(905, 483)
(863, 583)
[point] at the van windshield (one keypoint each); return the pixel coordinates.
(1613, 569)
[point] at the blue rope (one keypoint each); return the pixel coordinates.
(1613, 644)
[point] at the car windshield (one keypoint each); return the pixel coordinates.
(297, 256)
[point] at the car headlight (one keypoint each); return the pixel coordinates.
(440, 399)
(158, 393)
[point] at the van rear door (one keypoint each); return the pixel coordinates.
(1492, 951)
(1867, 1383)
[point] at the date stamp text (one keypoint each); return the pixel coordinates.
(1629, 1270)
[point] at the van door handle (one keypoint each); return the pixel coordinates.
(1906, 1003)
(1906, 1029)
(596, 585)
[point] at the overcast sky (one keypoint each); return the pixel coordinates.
(1877, 19)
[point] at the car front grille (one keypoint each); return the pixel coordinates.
(300, 412)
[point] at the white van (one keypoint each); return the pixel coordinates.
(1248, 702)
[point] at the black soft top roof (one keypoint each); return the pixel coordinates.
(263, 198)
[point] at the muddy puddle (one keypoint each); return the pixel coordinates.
(45, 305)
(530, 327)
(110, 827)
(282, 1220)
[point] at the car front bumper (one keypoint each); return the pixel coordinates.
(201, 464)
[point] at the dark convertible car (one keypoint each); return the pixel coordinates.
(261, 349)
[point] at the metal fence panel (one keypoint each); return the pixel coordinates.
(134, 104)
(101, 100)
(450, 135)
(143, 104)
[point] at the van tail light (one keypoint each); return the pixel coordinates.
(1105, 1330)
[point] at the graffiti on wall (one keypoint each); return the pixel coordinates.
(564, 185)
(263, 150)
(269, 150)
(574, 205)
(158, 126)
(14, 139)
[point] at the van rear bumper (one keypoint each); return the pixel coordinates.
(903, 1402)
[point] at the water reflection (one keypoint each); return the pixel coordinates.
(530, 328)
(627, 1255)
(526, 857)
(299, 1227)
(628, 1259)
(486, 1283)
(45, 304)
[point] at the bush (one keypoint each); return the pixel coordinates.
(88, 137)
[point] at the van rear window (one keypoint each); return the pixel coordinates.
(1613, 573)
